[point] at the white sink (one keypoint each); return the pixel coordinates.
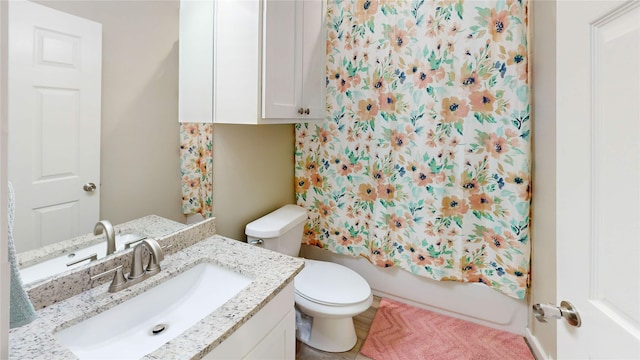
(58, 264)
(126, 330)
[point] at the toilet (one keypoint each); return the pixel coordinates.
(327, 295)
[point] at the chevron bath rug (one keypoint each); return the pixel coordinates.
(403, 332)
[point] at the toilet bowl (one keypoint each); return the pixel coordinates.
(332, 295)
(327, 295)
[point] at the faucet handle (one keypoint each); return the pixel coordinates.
(94, 277)
(119, 281)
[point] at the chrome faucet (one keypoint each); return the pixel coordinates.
(156, 255)
(106, 227)
(139, 270)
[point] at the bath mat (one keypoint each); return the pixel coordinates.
(403, 332)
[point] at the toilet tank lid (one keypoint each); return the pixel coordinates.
(276, 223)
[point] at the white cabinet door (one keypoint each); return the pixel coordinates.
(280, 343)
(293, 60)
(282, 72)
(237, 64)
(269, 334)
(313, 59)
(268, 61)
(195, 57)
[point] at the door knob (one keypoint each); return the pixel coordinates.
(301, 111)
(89, 187)
(566, 310)
(307, 111)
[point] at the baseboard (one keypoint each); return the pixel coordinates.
(535, 346)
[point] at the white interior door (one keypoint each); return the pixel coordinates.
(598, 167)
(54, 91)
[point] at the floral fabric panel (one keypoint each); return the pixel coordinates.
(196, 164)
(423, 161)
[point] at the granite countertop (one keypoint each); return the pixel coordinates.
(270, 272)
(152, 226)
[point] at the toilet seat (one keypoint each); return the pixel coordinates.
(331, 284)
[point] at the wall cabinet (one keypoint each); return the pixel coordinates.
(252, 61)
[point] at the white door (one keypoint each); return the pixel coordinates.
(598, 168)
(54, 91)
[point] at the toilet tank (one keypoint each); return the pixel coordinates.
(280, 230)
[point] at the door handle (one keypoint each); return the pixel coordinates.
(566, 310)
(89, 187)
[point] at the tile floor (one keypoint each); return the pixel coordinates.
(362, 324)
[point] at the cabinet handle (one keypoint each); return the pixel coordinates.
(301, 111)
(307, 111)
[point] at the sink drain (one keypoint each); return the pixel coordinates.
(158, 329)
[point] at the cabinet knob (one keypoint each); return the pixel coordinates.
(301, 111)
(307, 111)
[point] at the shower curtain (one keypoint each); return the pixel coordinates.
(423, 161)
(196, 166)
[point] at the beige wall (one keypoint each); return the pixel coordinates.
(253, 174)
(543, 258)
(139, 153)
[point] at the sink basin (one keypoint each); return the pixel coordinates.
(141, 325)
(58, 264)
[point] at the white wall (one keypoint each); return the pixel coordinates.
(543, 240)
(140, 170)
(4, 257)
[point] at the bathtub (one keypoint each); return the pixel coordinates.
(477, 303)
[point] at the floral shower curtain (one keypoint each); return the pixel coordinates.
(196, 164)
(424, 159)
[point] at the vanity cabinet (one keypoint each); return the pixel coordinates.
(269, 334)
(252, 61)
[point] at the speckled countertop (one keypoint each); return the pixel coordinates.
(271, 273)
(152, 226)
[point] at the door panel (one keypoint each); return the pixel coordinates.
(616, 166)
(282, 58)
(56, 154)
(598, 198)
(57, 49)
(54, 123)
(313, 59)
